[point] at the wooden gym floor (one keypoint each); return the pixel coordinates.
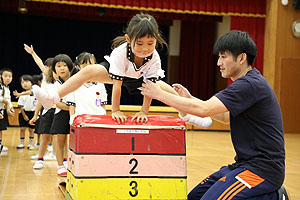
(207, 151)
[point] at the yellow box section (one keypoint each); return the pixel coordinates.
(126, 188)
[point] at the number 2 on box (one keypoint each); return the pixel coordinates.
(133, 160)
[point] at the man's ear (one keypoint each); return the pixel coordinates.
(243, 58)
(127, 38)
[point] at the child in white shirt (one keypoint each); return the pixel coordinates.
(6, 107)
(27, 105)
(91, 97)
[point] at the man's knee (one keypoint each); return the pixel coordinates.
(193, 195)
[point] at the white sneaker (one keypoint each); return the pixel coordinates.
(46, 98)
(29, 146)
(49, 156)
(4, 148)
(35, 157)
(20, 146)
(62, 172)
(38, 164)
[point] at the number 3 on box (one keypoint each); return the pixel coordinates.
(134, 185)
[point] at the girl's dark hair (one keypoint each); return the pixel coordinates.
(74, 70)
(27, 77)
(62, 58)
(48, 62)
(84, 58)
(36, 78)
(49, 77)
(6, 69)
(237, 42)
(139, 26)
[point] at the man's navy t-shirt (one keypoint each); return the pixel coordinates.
(256, 126)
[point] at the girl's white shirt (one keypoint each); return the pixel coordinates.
(120, 65)
(46, 86)
(27, 102)
(5, 96)
(88, 99)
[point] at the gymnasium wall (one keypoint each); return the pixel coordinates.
(282, 61)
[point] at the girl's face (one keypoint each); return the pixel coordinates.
(26, 84)
(62, 70)
(144, 46)
(7, 77)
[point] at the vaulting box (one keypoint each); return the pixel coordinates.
(100, 134)
(108, 160)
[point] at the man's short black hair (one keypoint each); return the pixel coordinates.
(237, 42)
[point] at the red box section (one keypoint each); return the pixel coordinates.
(160, 135)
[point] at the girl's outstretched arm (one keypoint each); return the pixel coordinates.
(24, 114)
(17, 94)
(36, 58)
(96, 73)
(36, 113)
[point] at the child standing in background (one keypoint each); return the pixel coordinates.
(43, 119)
(37, 79)
(62, 65)
(46, 116)
(5, 102)
(27, 105)
(91, 97)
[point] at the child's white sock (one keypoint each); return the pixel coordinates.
(202, 122)
(22, 140)
(46, 98)
(31, 140)
(60, 167)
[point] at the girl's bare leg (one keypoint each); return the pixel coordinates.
(95, 72)
(61, 143)
(31, 136)
(45, 139)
